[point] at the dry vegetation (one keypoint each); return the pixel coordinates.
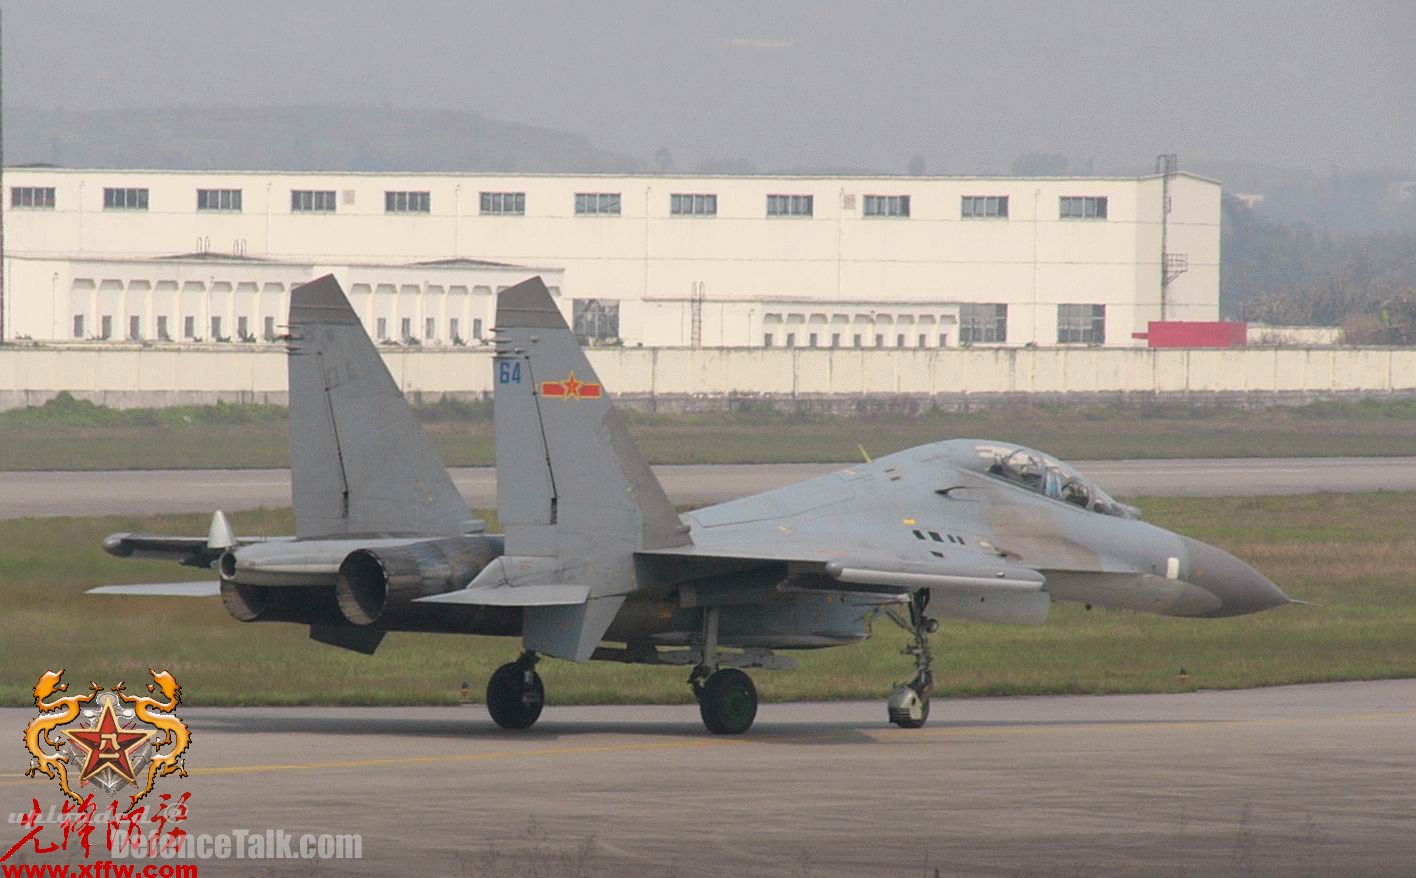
(1350, 554)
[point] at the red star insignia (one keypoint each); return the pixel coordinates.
(572, 386)
(108, 746)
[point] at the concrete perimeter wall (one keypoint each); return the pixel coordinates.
(717, 378)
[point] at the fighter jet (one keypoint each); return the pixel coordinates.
(595, 562)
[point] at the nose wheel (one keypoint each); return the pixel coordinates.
(908, 706)
(515, 694)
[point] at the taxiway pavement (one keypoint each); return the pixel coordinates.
(144, 492)
(1299, 780)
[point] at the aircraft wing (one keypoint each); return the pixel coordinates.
(205, 589)
(983, 588)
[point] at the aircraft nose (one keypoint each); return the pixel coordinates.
(1240, 588)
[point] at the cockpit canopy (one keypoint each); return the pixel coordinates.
(1050, 477)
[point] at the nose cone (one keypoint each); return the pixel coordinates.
(1240, 588)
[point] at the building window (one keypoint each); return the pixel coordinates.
(504, 203)
(856, 340)
(125, 199)
(430, 329)
(984, 207)
(78, 326)
(835, 339)
(767, 340)
(219, 199)
(791, 339)
(162, 334)
(1081, 324)
(923, 341)
(597, 321)
(1082, 207)
(943, 339)
(597, 204)
(983, 324)
(189, 327)
(407, 202)
(216, 329)
(312, 201)
(879, 339)
(811, 340)
(405, 329)
(270, 329)
(382, 328)
(477, 325)
(32, 196)
(135, 328)
(105, 327)
(900, 340)
(789, 205)
(243, 329)
(693, 205)
(887, 205)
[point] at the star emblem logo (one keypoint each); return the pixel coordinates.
(107, 746)
(570, 387)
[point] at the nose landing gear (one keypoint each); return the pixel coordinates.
(909, 702)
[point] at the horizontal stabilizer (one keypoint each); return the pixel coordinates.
(164, 589)
(518, 596)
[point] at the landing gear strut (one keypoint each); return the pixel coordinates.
(515, 694)
(909, 702)
(727, 699)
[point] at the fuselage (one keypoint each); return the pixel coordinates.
(946, 503)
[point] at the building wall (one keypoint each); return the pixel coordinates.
(99, 299)
(734, 270)
(127, 375)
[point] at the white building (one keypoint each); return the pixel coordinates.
(219, 298)
(642, 260)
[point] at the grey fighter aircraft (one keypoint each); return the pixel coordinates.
(596, 563)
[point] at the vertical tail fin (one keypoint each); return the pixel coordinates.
(359, 461)
(570, 481)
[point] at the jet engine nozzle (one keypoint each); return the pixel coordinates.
(375, 583)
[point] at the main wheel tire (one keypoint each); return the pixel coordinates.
(728, 703)
(511, 700)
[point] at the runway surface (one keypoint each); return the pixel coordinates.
(24, 494)
(1306, 780)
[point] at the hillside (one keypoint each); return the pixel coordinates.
(298, 138)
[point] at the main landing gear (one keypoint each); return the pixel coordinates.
(727, 699)
(515, 694)
(909, 702)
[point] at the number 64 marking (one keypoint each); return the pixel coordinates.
(509, 372)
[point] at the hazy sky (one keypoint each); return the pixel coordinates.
(968, 85)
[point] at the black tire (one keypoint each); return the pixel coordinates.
(906, 723)
(728, 702)
(512, 703)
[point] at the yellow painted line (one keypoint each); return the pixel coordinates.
(464, 757)
(881, 734)
(429, 760)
